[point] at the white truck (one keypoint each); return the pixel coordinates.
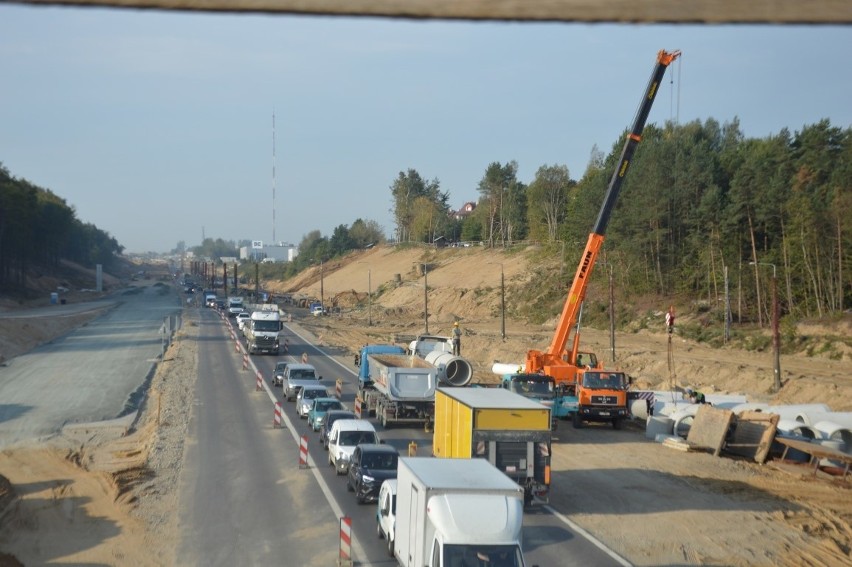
(262, 332)
(458, 512)
(235, 306)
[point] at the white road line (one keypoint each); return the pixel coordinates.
(358, 551)
(592, 539)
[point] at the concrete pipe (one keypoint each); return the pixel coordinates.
(836, 431)
(452, 370)
(656, 425)
(682, 420)
(503, 368)
(797, 410)
(798, 429)
(639, 409)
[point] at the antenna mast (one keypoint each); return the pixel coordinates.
(273, 177)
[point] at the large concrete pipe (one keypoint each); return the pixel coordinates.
(503, 368)
(452, 370)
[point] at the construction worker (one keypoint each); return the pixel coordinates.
(456, 339)
(670, 319)
(695, 396)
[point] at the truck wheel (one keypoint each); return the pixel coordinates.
(616, 423)
(577, 421)
(390, 547)
(379, 533)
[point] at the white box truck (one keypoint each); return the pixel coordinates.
(457, 512)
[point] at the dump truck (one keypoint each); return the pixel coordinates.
(401, 389)
(456, 512)
(508, 430)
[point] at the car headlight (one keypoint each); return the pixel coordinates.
(368, 479)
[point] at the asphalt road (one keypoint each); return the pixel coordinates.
(244, 498)
(549, 537)
(92, 374)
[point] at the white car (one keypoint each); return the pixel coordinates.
(305, 398)
(386, 513)
(344, 436)
(242, 318)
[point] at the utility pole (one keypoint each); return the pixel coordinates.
(776, 330)
(611, 314)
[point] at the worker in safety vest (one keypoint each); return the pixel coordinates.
(695, 396)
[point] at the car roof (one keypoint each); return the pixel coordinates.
(335, 412)
(354, 425)
(300, 366)
(314, 387)
(326, 399)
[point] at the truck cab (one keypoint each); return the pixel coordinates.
(235, 306)
(457, 512)
(262, 332)
(600, 396)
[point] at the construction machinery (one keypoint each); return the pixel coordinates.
(601, 395)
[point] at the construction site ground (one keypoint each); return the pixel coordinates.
(108, 498)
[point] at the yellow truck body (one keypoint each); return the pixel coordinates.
(510, 431)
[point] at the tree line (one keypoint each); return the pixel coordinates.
(39, 229)
(703, 207)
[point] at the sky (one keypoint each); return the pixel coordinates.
(157, 127)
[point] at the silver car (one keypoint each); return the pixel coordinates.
(305, 398)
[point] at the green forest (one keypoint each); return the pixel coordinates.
(38, 229)
(703, 210)
(702, 205)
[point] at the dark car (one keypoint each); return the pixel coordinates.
(329, 420)
(370, 466)
(220, 304)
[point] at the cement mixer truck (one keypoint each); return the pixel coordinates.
(400, 388)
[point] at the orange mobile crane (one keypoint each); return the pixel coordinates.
(601, 395)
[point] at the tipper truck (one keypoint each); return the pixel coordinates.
(456, 512)
(401, 388)
(508, 430)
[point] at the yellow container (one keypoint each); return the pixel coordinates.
(460, 412)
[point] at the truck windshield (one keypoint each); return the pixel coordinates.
(543, 388)
(485, 555)
(266, 326)
(605, 380)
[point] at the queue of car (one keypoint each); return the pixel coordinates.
(353, 445)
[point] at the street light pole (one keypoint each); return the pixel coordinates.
(322, 290)
(426, 297)
(776, 331)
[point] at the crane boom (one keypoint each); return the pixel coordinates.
(552, 361)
